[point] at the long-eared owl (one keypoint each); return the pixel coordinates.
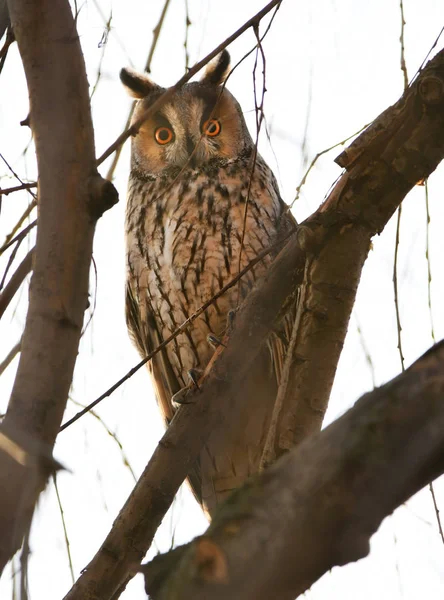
(201, 205)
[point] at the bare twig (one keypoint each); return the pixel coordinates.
(269, 454)
(15, 282)
(103, 45)
(17, 177)
(366, 351)
(435, 504)
(396, 288)
(113, 435)
(317, 157)
(18, 188)
(187, 30)
(10, 357)
(401, 40)
(429, 266)
(9, 241)
(259, 114)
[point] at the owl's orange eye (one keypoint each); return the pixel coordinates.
(163, 135)
(212, 127)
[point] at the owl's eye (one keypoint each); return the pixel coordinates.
(163, 135)
(212, 127)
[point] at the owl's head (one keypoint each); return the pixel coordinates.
(201, 123)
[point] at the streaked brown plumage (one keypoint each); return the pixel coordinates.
(190, 177)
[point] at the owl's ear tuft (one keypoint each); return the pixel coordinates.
(217, 70)
(138, 85)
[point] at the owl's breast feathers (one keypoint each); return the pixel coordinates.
(184, 238)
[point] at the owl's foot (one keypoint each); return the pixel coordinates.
(214, 341)
(183, 395)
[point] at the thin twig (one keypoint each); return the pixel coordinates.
(179, 330)
(435, 504)
(15, 282)
(396, 289)
(317, 157)
(156, 33)
(114, 31)
(259, 114)
(112, 434)
(429, 266)
(10, 262)
(269, 454)
(187, 30)
(195, 69)
(435, 43)
(366, 351)
(17, 226)
(65, 531)
(103, 45)
(24, 564)
(4, 51)
(17, 188)
(10, 357)
(16, 176)
(401, 39)
(432, 329)
(19, 236)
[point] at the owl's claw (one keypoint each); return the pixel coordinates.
(180, 397)
(195, 375)
(231, 316)
(214, 341)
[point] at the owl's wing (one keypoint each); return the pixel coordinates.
(146, 337)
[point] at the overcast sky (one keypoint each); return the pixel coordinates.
(331, 67)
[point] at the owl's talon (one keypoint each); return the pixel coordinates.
(214, 341)
(195, 375)
(180, 397)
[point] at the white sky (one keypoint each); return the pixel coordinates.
(338, 61)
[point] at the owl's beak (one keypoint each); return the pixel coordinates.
(191, 147)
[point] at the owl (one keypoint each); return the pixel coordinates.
(201, 205)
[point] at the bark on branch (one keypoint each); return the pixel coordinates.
(318, 506)
(332, 246)
(71, 198)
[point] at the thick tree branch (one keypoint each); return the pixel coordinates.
(318, 506)
(409, 149)
(71, 197)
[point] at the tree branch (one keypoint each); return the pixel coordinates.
(318, 506)
(71, 197)
(335, 241)
(15, 282)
